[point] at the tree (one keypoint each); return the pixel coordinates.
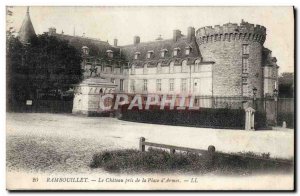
(286, 85)
(45, 64)
(15, 80)
(53, 64)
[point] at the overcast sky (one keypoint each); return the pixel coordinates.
(107, 23)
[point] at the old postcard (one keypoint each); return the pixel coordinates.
(150, 98)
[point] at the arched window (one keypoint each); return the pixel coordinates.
(184, 66)
(85, 50)
(110, 53)
(197, 65)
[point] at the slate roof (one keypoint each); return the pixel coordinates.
(157, 46)
(26, 31)
(267, 58)
(126, 54)
(97, 48)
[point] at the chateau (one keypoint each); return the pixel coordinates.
(227, 60)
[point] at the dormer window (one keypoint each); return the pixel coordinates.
(149, 54)
(176, 51)
(188, 50)
(163, 53)
(85, 50)
(110, 53)
(137, 55)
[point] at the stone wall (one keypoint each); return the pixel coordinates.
(224, 46)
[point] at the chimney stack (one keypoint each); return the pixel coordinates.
(116, 42)
(176, 35)
(190, 33)
(52, 31)
(136, 40)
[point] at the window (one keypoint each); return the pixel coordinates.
(112, 80)
(149, 54)
(245, 49)
(197, 65)
(132, 85)
(158, 85)
(85, 50)
(107, 70)
(163, 53)
(184, 67)
(245, 90)
(159, 68)
(183, 85)
(171, 67)
(175, 52)
(121, 84)
(171, 84)
(133, 69)
(188, 50)
(121, 69)
(110, 53)
(137, 55)
(145, 70)
(197, 102)
(145, 87)
(245, 65)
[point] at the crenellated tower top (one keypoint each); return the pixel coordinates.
(231, 32)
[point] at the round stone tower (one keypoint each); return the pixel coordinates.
(237, 53)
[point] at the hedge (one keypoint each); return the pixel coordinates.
(287, 117)
(204, 117)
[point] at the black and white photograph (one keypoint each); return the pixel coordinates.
(147, 98)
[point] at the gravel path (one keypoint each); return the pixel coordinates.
(66, 143)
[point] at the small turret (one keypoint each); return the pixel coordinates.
(26, 31)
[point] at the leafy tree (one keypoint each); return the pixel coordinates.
(15, 78)
(53, 64)
(45, 64)
(286, 84)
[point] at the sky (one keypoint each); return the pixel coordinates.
(123, 23)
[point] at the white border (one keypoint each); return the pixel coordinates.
(296, 3)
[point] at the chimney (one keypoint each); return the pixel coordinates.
(52, 31)
(116, 42)
(190, 33)
(176, 35)
(136, 40)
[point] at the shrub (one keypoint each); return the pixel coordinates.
(287, 117)
(157, 160)
(204, 117)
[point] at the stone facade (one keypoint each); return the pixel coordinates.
(237, 53)
(228, 61)
(87, 96)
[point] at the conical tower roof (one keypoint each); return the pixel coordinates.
(26, 31)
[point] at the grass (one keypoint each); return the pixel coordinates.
(157, 160)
